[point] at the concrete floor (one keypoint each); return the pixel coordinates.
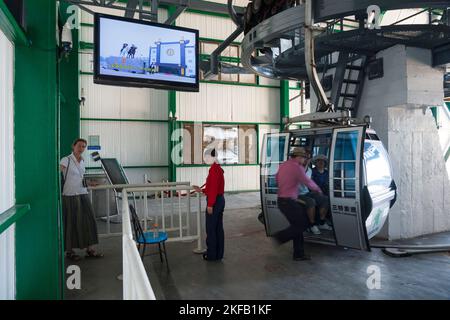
(253, 268)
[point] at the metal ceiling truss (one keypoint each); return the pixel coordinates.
(210, 68)
(137, 6)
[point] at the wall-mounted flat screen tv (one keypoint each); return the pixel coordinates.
(136, 53)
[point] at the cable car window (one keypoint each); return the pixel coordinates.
(322, 145)
(345, 165)
(275, 149)
(378, 169)
(372, 136)
(344, 170)
(301, 142)
(346, 145)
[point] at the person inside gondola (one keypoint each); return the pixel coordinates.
(320, 173)
(311, 200)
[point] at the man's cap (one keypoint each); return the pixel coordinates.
(299, 152)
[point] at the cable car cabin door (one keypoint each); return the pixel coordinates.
(274, 152)
(345, 173)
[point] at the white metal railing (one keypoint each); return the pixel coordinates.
(171, 210)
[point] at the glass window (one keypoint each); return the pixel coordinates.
(225, 140)
(234, 144)
(378, 169)
(346, 144)
(345, 170)
(275, 149)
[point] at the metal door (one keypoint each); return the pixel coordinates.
(274, 152)
(346, 160)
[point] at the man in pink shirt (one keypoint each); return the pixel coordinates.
(290, 174)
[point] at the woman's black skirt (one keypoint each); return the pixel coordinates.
(80, 229)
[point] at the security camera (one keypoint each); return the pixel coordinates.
(66, 39)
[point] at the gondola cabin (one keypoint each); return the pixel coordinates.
(361, 186)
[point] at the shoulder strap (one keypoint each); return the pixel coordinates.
(67, 169)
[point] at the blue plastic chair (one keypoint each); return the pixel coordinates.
(144, 238)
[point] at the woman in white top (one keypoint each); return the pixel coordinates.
(80, 229)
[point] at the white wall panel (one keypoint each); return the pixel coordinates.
(7, 197)
(237, 178)
(122, 103)
(132, 143)
(295, 106)
(209, 26)
(136, 176)
(87, 32)
(392, 16)
(216, 102)
(89, 18)
(269, 82)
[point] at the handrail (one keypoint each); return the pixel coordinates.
(142, 185)
(11, 215)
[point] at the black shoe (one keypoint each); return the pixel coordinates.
(205, 257)
(303, 258)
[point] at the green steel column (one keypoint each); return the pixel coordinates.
(172, 124)
(284, 102)
(69, 90)
(172, 127)
(38, 260)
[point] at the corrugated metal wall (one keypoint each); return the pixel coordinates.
(131, 122)
(228, 103)
(7, 198)
(221, 103)
(141, 144)
(209, 26)
(236, 177)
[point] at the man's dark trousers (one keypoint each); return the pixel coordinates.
(296, 215)
(215, 237)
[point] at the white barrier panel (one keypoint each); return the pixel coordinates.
(136, 285)
(167, 204)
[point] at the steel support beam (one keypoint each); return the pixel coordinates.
(310, 62)
(131, 7)
(329, 9)
(339, 77)
(176, 14)
(214, 62)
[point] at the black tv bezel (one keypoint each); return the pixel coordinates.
(139, 82)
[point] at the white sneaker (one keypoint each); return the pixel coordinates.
(315, 230)
(325, 226)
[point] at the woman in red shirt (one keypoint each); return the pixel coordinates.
(214, 189)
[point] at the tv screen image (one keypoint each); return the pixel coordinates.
(145, 54)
